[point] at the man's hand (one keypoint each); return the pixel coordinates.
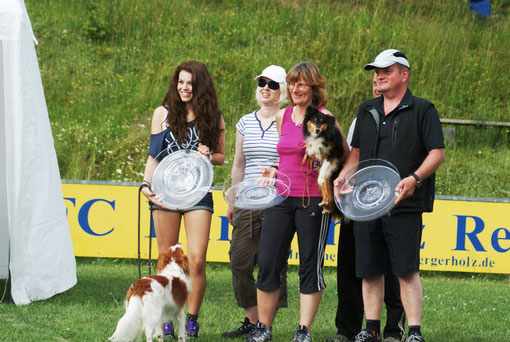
(405, 188)
(339, 186)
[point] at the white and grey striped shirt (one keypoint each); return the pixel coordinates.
(259, 146)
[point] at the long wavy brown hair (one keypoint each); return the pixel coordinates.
(204, 103)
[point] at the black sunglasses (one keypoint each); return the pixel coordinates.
(271, 84)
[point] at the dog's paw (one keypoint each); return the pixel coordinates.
(326, 207)
(326, 211)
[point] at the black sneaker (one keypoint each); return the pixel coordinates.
(262, 334)
(367, 336)
(415, 338)
(243, 331)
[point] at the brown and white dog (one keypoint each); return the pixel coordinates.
(324, 150)
(156, 299)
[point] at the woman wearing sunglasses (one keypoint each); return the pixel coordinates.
(256, 140)
(299, 213)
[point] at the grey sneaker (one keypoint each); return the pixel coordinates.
(338, 338)
(243, 331)
(302, 334)
(392, 339)
(415, 338)
(262, 334)
(367, 336)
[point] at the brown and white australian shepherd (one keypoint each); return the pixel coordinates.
(325, 149)
(156, 299)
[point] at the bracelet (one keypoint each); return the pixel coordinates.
(145, 184)
(416, 178)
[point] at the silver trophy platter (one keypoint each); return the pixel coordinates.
(182, 179)
(369, 192)
(256, 192)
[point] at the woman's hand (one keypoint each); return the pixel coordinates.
(268, 175)
(203, 149)
(230, 214)
(147, 192)
(269, 172)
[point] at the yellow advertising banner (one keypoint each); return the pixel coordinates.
(465, 236)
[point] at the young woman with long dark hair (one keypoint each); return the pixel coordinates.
(188, 118)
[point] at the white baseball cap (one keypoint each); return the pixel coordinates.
(275, 73)
(387, 58)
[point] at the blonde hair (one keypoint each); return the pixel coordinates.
(311, 74)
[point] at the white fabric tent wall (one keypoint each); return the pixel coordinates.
(4, 231)
(41, 254)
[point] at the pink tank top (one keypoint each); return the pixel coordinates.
(291, 149)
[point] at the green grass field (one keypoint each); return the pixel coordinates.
(457, 307)
(105, 66)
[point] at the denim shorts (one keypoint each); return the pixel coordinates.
(205, 203)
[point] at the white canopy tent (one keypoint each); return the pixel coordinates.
(35, 242)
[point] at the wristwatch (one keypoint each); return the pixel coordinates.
(418, 180)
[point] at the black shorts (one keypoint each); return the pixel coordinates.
(280, 224)
(205, 203)
(394, 238)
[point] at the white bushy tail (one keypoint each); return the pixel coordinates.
(129, 327)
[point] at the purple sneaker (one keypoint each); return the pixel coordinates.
(192, 328)
(168, 330)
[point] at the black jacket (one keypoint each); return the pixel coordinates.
(415, 130)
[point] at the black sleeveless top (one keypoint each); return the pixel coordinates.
(164, 143)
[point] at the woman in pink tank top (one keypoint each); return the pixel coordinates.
(299, 213)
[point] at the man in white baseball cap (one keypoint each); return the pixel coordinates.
(388, 58)
(404, 130)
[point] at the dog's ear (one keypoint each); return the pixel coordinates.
(330, 119)
(164, 259)
(182, 261)
(310, 111)
(180, 258)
